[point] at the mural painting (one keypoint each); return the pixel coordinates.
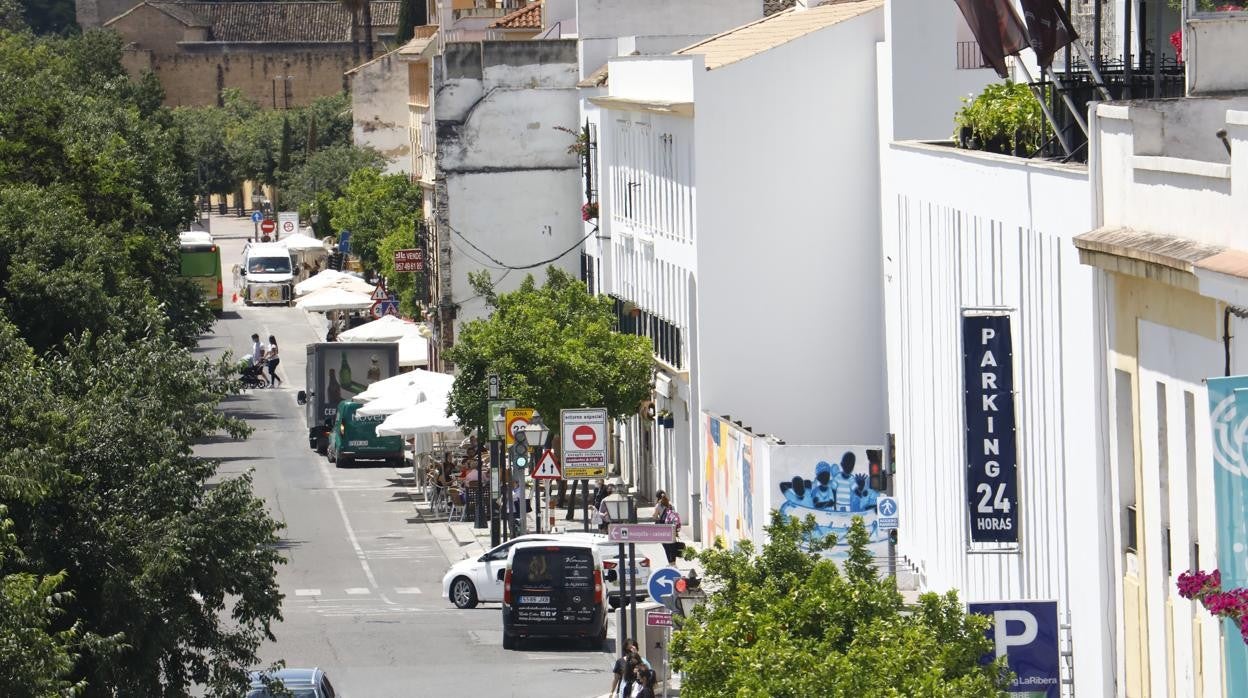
(832, 484)
(728, 482)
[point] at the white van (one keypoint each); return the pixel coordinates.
(269, 272)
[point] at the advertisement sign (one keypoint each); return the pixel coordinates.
(1228, 413)
(351, 369)
(1026, 634)
(585, 442)
(409, 260)
(992, 457)
(495, 408)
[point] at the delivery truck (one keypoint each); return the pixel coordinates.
(338, 371)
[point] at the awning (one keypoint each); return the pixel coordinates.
(1211, 270)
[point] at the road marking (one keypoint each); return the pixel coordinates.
(342, 510)
(359, 590)
(407, 590)
(307, 592)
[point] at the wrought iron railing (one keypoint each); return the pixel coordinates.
(970, 57)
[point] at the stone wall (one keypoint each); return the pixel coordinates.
(274, 77)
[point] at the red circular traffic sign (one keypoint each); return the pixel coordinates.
(267, 226)
(584, 436)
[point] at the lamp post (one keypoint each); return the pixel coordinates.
(497, 469)
(535, 434)
(620, 508)
(479, 521)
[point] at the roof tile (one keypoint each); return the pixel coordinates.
(527, 17)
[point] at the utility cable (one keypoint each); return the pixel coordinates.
(524, 267)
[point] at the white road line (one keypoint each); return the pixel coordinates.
(307, 592)
(407, 590)
(342, 510)
(359, 590)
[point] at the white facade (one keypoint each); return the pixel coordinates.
(710, 230)
(379, 110)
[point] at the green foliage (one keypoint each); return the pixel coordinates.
(554, 346)
(403, 285)
(323, 176)
(786, 622)
(50, 16)
(11, 16)
(1004, 118)
(372, 206)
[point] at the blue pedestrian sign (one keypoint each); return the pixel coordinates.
(256, 216)
(886, 513)
(663, 586)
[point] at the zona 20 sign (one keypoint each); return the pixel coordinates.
(584, 442)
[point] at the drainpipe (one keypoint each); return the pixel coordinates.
(1226, 332)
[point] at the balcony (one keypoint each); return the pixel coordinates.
(970, 57)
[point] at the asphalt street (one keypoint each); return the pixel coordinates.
(362, 582)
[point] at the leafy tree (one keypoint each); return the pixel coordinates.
(402, 285)
(254, 144)
(372, 205)
(554, 346)
(786, 622)
(11, 16)
(412, 14)
(51, 16)
(324, 176)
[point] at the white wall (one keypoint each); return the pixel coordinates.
(788, 266)
(1216, 49)
(655, 78)
(964, 230)
(379, 111)
(610, 18)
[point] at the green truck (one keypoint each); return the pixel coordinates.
(338, 371)
(354, 437)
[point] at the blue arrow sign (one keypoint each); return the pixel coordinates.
(663, 585)
(256, 216)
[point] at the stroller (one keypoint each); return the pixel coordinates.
(252, 375)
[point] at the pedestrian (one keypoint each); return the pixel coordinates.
(272, 359)
(643, 682)
(660, 511)
(604, 518)
(669, 516)
(624, 671)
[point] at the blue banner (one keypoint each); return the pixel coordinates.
(991, 455)
(1228, 418)
(1026, 634)
(344, 241)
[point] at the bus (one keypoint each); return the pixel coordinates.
(201, 261)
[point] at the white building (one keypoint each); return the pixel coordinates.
(760, 288)
(379, 109)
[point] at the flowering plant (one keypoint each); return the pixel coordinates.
(589, 211)
(1206, 587)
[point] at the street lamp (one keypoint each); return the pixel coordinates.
(535, 433)
(621, 508)
(689, 594)
(497, 469)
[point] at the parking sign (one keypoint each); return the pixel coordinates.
(1026, 634)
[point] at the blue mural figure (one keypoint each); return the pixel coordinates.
(851, 491)
(824, 494)
(797, 492)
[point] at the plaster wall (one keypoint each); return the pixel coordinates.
(800, 255)
(655, 78)
(1216, 49)
(610, 19)
(379, 111)
(962, 230)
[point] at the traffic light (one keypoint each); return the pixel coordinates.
(335, 261)
(519, 455)
(879, 478)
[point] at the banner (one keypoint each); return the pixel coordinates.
(996, 28)
(991, 455)
(1049, 28)
(1228, 419)
(1026, 634)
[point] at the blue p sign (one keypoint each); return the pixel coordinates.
(1026, 634)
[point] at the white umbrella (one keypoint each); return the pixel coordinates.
(413, 351)
(386, 329)
(400, 400)
(429, 382)
(426, 418)
(334, 299)
(298, 242)
(331, 278)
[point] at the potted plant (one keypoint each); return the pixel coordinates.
(589, 211)
(1004, 118)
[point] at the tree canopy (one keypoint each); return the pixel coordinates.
(128, 566)
(788, 623)
(372, 206)
(553, 346)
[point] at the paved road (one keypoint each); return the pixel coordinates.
(363, 578)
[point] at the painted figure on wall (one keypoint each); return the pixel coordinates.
(836, 495)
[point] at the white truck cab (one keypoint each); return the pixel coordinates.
(269, 273)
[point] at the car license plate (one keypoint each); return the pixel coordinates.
(357, 443)
(275, 293)
(534, 599)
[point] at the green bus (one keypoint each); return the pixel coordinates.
(201, 261)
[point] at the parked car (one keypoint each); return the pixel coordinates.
(475, 580)
(299, 683)
(555, 589)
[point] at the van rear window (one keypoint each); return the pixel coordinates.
(570, 568)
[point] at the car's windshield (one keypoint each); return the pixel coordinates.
(268, 265)
(304, 692)
(552, 566)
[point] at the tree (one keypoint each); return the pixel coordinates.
(554, 346)
(372, 205)
(51, 16)
(786, 622)
(402, 285)
(324, 175)
(412, 14)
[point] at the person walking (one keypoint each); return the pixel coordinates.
(624, 671)
(256, 358)
(604, 518)
(665, 513)
(272, 360)
(643, 682)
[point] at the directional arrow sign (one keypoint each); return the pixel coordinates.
(547, 467)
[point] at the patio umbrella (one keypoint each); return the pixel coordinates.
(298, 242)
(330, 278)
(402, 399)
(413, 350)
(428, 417)
(430, 382)
(328, 299)
(387, 329)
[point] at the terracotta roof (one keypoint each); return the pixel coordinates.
(598, 78)
(780, 28)
(771, 7)
(276, 22)
(527, 17)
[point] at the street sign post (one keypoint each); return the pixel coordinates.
(288, 222)
(256, 216)
(658, 619)
(662, 586)
(412, 260)
(517, 420)
(267, 226)
(584, 442)
(887, 513)
(547, 467)
(641, 533)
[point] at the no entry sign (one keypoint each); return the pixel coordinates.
(267, 225)
(584, 443)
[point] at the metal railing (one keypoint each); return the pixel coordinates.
(970, 57)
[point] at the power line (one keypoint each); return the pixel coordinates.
(524, 267)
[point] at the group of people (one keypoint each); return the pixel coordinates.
(265, 356)
(633, 677)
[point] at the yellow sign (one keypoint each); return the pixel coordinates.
(517, 420)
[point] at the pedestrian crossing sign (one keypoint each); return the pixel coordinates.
(547, 467)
